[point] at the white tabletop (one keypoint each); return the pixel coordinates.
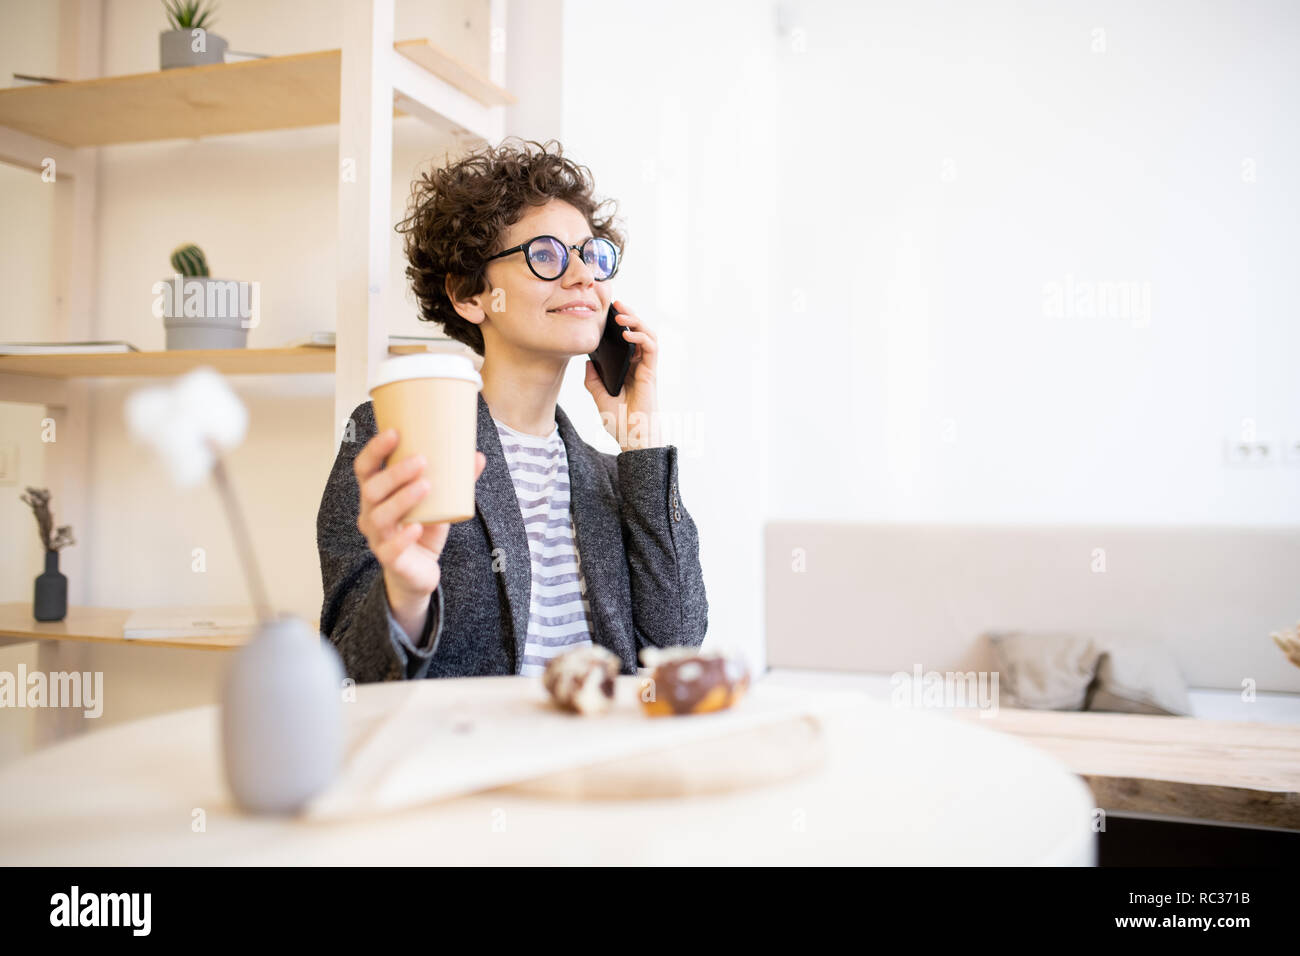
(899, 787)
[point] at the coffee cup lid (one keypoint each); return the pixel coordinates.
(426, 365)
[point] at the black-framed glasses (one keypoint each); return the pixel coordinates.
(548, 257)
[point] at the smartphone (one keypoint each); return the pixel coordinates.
(613, 355)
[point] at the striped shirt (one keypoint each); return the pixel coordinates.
(558, 610)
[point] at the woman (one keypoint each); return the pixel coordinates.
(569, 546)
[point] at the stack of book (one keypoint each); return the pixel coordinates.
(325, 339)
(64, 348)
(157, 623)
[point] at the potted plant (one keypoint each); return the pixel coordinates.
(51, 597)
(200, 312)
(188, 42)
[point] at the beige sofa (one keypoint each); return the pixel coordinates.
(868, 600)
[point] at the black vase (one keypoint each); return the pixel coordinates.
(51, 602)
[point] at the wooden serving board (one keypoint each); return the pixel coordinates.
(411, 743)
(739, 761)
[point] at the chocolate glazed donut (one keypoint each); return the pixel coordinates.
(695, 685)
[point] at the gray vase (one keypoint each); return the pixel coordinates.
(282, 717)
(176, 49)
(51, 595)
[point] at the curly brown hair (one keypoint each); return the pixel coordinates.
(459, 213)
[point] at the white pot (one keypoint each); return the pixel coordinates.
(176, 49)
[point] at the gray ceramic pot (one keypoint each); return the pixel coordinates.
(176, 49)
(220, 326)
(282, 717)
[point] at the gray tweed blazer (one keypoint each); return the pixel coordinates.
(638, 545)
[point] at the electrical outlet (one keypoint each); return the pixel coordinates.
(1256, 452)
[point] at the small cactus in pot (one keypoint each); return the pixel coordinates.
(200, 312)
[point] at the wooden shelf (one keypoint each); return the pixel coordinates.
(446, 67)
(279, 92)
(102, 625)
(290, 361)
(172, 362)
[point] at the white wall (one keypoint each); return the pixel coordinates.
(943, 163)
(848, 229)
(670, 108)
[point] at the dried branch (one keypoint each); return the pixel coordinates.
(38, 499)
(1289, 642)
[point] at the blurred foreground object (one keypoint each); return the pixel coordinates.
(1289, 641)
(281, 704)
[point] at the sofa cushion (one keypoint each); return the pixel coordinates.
(1138, 678)
(1044, 671)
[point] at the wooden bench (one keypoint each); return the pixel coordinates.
(1179, 767)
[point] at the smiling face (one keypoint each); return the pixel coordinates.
(532, 319)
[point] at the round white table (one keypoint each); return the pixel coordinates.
(898, 787)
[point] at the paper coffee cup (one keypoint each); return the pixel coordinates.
(432, 401)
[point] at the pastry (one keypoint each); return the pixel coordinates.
(687, 680)
(582, 680)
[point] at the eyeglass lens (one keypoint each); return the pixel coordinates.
(549, 258)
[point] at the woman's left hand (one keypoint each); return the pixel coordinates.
(640, 422)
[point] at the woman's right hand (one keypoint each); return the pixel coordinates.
(407, 553)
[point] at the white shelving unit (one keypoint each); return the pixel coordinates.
(373, 75)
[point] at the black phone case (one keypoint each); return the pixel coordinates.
(613, 355)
